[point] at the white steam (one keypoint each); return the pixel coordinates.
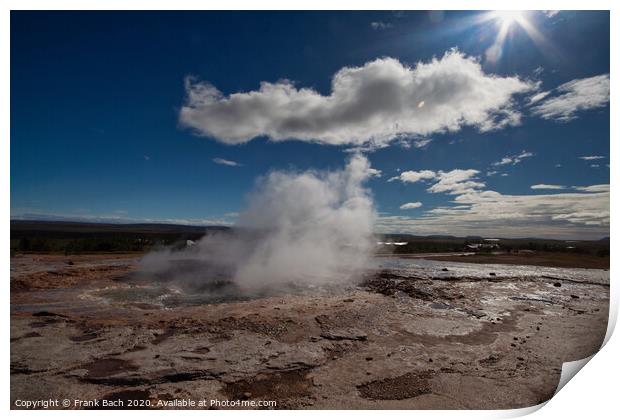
(299, 230)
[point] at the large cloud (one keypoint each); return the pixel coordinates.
(576, 95)
(375, 103)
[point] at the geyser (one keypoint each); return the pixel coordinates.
(300, 230)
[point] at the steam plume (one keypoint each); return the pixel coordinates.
(299, 230)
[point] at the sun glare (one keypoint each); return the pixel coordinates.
(507, 22)
(507, 17)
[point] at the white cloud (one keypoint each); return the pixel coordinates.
(538, 97)
(419, 144)
(594, 188)
(380, 25)
(594, 165)
(374, 103)
(550, 13)
(591, 157)
(226, 162)
(563, 215)
(408, 206)
(372, 172)
(576, 95)
(456, 181)
(504, 161)
(548, 187)
(513, 159)
(403, 141)
(413, 176)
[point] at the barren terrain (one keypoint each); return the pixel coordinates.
(401, 339)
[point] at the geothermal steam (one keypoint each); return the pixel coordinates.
(300, 230)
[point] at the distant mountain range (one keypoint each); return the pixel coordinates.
(21, 227)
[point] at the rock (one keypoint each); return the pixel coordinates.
(444, 269)
(574, 296)
(368, 359)
(492, 274)
(345, 334)
(557, 284)
(489, 361)
(50, 314)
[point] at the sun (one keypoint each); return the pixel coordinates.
(507, 22)
(508, 17)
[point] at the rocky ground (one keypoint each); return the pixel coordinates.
(396, 341)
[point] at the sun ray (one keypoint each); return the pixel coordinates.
(506, 20)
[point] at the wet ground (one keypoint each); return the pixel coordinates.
(413, 334)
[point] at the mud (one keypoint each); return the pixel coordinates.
(401, 339)
(279, 386)
(409, 385)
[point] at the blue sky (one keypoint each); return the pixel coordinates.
(127, 116)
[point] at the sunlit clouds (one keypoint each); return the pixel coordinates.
(375, 103)
(456, 181)
(563, 103)
(568, 215)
